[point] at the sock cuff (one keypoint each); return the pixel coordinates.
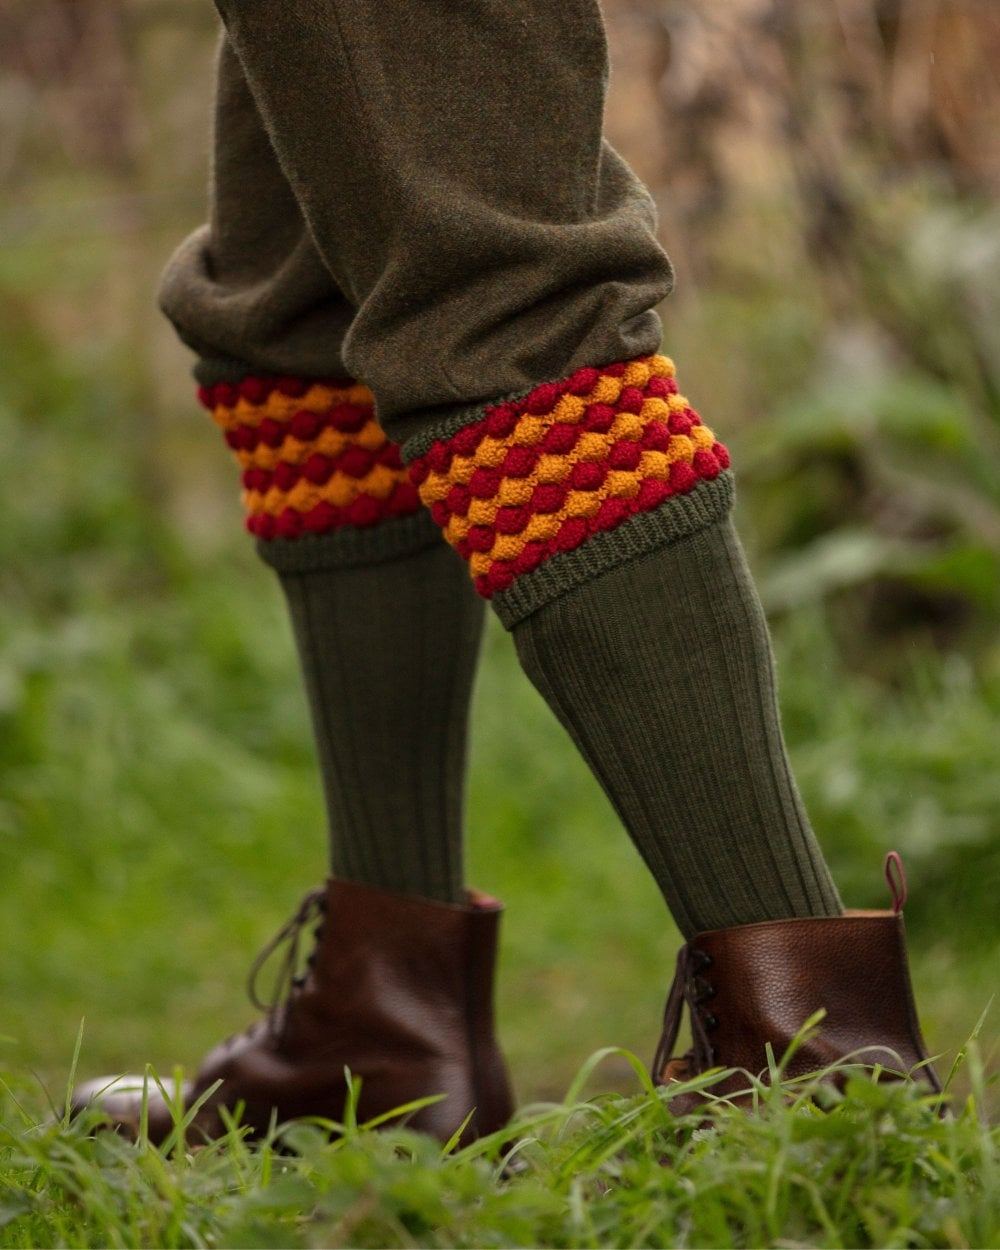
(318, 469)
(543, 492)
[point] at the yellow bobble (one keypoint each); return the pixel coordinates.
(569, 408)
(515, 491)
(655, 409)
(435, 488)
(681, 448)
(507, 546)
(637, 373)
(678, 403)
(662, 367)
(583, 503)
(654, 464)
(591, 446)
(456, 529)
(606, 391)
(627, 425)
(542, 525)
(529, 430)
(622, 483)
(551, 468)
(702, 437)
(491, 452)
(482, 512)
(479, 563)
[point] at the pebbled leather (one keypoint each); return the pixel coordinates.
(759, 983)
(399, 989)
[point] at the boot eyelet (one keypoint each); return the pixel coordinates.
(710, 1021)
(704, 959)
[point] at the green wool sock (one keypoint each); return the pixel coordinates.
(389, 652)
(661, 670)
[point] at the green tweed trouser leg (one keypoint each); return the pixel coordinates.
(419, 195)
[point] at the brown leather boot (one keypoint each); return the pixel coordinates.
(399, 989)
(758, 983)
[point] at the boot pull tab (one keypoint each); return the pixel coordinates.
(895, 875)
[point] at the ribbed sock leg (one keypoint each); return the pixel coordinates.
(661, 670)
(389, 653)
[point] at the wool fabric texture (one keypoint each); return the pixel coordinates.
(313, 457)
(539, 476)
(661, 671)
(388, 652)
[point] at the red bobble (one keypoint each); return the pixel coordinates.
(263, 525)
(651, 494)
(321, 518)
(530, 557)
(583, 381)
(482, 585)
(254, 390)
(661, 388)
(465, 442)
(285, 475)
(317, 468)
(542, 399)
(306, 425)
(611, 513)
(682, 476)
(355, 461)
(519, 462)
(680, 423)
(511, 520)
(571, 534)
(656, 436)
(501, 420)
(271, 432)
(205, 396)
(706, 464)
(440, 514)
(630, 400)
(348, 417)
(225, 395)
(500, 575)
(598, 418)
(439, 457)
(625, 454)
(586, 475)
(721, 452)
(363, 510)
(292, 387)
(481, 538)
(389, 456)
(404, 499)
(419, 471)
(547, 497)
(484, 483)
(289, 523)
(234, 437)
(613, 371)
(458, 500)
(560, 438)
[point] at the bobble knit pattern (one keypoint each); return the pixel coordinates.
(314, 458)
(539, 475)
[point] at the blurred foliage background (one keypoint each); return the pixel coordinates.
(827, 173)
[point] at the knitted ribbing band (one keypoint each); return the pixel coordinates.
(524, 491)
(322, 484)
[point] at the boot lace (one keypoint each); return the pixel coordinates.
(690, 987)
(293, 971)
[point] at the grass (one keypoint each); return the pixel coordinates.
(871, 1164)
(160, 814)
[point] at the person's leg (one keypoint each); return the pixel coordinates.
(505, 271)
(385, 622)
